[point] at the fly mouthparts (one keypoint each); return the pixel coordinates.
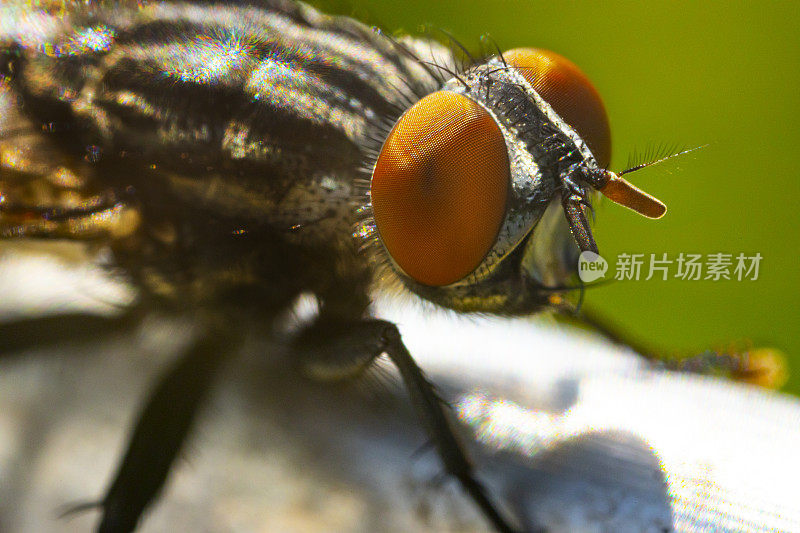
(621, 191)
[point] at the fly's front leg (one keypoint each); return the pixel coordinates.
(335, 350)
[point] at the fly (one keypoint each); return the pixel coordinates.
(234, 157)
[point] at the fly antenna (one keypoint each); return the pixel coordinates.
(619, 190)
(622, 192)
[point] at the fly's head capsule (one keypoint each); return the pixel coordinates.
(469, 186)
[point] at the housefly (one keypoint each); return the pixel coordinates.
(234, 156)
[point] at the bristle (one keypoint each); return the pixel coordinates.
(656, 161)
(652, 151)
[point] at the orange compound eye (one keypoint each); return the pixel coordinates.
(439, 188)
(569, 92)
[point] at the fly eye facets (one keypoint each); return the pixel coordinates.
(440, 187)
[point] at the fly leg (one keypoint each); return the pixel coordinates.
(24, 334)
(159, 433)
(761, 366)
(334, 349)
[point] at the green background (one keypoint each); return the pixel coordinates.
(686, 73)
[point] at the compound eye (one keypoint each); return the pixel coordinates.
(569, 92)
(440, 187)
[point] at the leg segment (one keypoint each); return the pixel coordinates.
(39, 332)
(762, 366)
(160, 430)
(332, 350)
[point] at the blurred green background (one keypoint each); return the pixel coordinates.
(686, 73)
